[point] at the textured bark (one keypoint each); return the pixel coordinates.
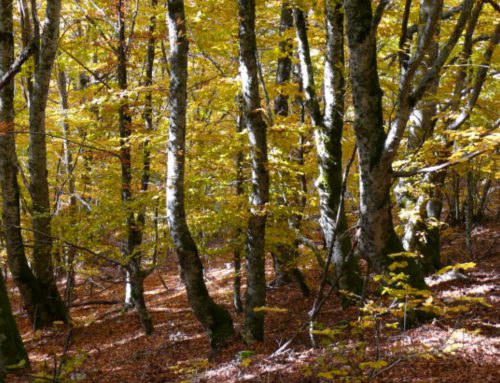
(68, 165)
(45, 53)
(469, 211)
(259, 196)
(237, 302)
(134, 226)
(215, 319)
(377, 151)
(286, 254)
(422, 233)
(148, 101)
(12, 350)
(377, 237)
(284, 69)
(328, 129)
(33, 298)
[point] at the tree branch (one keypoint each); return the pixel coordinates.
(379, 11)
(16, 65)
(445, 52)
(437, 168)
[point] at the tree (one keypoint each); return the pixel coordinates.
(420, 236)
(328, 131)
(134, 225)
(45, 53)
(287, 253)
(259, 196)
(12, 352)
(377, 150)
(215, 319)
(41, 309)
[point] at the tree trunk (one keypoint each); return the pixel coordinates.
(287, 253)
(134, 226)
(45, 53)
(469, 211)
(34, 300)
(254, 122)
(70, 252)
(422, 229)
(238, 304)
(12, 351)
(215, 320)
(328, 129)
(377, 237)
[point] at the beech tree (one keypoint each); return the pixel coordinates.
(12, 352)
(256, 126)
(378, 149)
(45, 49)
(337, 140)
(215, 319)
(328, 132)
(287, 253)
(38, 289)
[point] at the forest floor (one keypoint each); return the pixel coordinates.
(106, 344)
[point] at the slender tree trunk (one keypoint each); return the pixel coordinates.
(331, 157)
(215, 319)
(45, 53)
(238, 304)
(287, 253)
(134, 226)
(469, 211)
(70, 252)
(12, 351)
(328, 128)
(254, 122)
(422, 229)
(484, 200)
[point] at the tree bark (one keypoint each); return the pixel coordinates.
(254, 122)
(34, 300)
(377, 237)
(215, 319)
(422, 229)
(237, 302)
(328, 129)
(45, 52)
(70, 252)
(12, 351)
(134, 226)
(287, 253)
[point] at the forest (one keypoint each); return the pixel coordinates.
(249, 191)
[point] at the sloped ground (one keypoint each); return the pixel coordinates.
(107, 344)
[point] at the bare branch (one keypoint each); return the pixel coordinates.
(377, 16)
(478, 84)
(16, 65)
(443, 55)
(437, 168)
(445, 16)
